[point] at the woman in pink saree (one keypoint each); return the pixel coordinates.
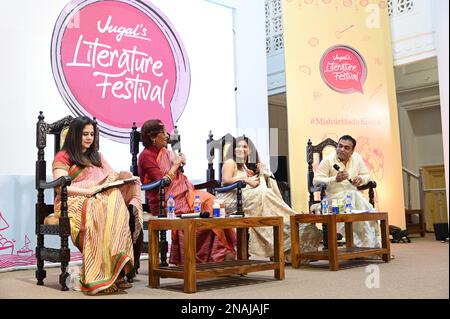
(99, 221)
(156, 162)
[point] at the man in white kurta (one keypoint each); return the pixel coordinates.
(352, 173)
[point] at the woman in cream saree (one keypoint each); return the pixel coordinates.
(261, 197)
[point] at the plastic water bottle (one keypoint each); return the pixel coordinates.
(348, 204)
(171, 207)
(197, 204)
(334, 206)
(216, 208)
(324, 205)
(340, 205)
(222, 208)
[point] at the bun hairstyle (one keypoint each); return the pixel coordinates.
(150, 129)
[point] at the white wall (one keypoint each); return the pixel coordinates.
(427, 136)
(251, 72)
(412, 34)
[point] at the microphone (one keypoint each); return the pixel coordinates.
(195, 215)
(181, 168)
(174, 140)
(336, 167)
(268, 173)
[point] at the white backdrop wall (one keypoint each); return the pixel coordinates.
(224, 41)
(251, 72)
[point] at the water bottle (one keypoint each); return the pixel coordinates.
(171, 207)
(334, 206)
(348, 204)
(197, 204)
(222, 208)
(216, 208)
(340, 205)
(324, 205)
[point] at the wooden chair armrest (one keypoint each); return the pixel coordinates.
(62, 181)
(163, 182)
(238, 184)
(370, 184)
(208, 184)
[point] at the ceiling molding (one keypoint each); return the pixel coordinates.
(421, 103)
(433, 85)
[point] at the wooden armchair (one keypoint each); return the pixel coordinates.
(224, 147)
(62, 230)
(135, 140)
(62, 254)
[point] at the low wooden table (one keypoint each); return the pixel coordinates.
(334, 254)
(190, 271)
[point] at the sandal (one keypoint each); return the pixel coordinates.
(123, 284)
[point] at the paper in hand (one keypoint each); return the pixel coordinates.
(117, 183)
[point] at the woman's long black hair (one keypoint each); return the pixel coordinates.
(72, 143)
(253, 156)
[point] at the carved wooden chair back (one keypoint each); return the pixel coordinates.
(135, 141)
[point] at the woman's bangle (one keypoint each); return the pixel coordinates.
(170, 175)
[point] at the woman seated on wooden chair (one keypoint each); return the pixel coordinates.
(99, 221)
(261, 197)
(156, 162)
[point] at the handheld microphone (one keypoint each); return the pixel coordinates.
(269, 173)
(336, 167)
(181, 168)
(174, 139)
(195, 215)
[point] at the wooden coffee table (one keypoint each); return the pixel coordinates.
(334, 254)
(190, 271)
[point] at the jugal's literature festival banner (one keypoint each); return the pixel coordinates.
(120, 61)
(339, 78)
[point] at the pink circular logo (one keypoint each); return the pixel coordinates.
(343, 69)
(120, 61)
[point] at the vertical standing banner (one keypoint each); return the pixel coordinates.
(339, 77)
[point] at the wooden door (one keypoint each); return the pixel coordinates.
(435, 201)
